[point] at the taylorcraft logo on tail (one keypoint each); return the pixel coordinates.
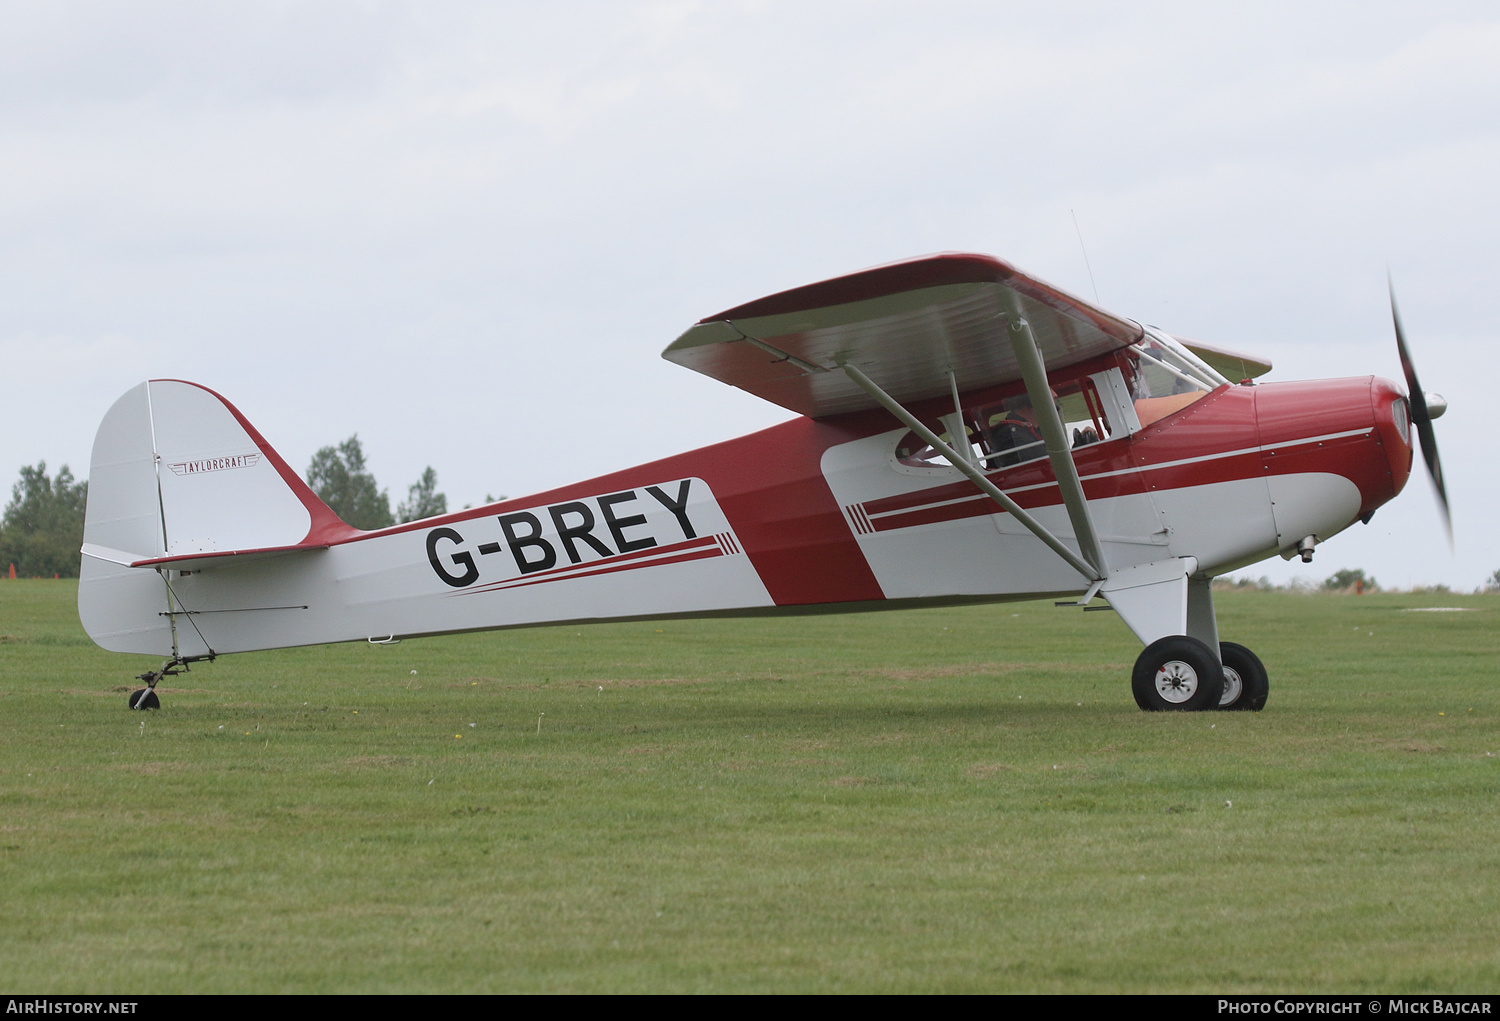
(214, 464)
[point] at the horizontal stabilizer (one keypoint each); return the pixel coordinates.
(112, 556)
(221, 558)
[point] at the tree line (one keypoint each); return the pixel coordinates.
(43, 524)
(339, 476)
(42, 527)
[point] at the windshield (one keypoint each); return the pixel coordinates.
(1165, 377)
(1165, 367)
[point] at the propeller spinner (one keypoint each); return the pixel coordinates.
(1424, 408)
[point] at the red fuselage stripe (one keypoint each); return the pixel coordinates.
(601, 567)
(577, 570)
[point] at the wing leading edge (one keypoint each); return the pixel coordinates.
(905, 325)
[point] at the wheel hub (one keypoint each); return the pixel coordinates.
(1176, 681)
(1233, 685)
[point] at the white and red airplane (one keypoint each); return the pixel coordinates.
(966, 434)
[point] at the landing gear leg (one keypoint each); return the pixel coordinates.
(145, 698)
(1245, 683)
(1177, 673)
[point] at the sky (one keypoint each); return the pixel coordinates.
(465, 231)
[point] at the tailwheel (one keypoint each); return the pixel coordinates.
(1245, 683)
(146, 698)
(1177, 673)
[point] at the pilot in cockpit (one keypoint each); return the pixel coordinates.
(1012, 433)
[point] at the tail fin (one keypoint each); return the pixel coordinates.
(179, 479)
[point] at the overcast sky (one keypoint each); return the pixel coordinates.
(466, 230)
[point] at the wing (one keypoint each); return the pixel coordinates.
(906, 325)
(1232, 365)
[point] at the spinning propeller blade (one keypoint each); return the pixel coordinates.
(1421, 416)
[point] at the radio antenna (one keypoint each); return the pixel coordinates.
(1085, 257)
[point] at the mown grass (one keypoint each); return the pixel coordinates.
(937, 800)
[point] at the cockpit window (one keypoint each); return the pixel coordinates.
(1009, 433)
(1154, 378)
(914, 451)
(1006, 432)
(1165, 379)
(1161, 371)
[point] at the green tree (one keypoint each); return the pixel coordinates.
(1492, 583)
(1346, 579)
(42, 528)
(339, 477)
(422, 499)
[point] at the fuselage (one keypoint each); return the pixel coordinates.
(833, 514)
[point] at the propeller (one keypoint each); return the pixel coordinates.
(1424, 408)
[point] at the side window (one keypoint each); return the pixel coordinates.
(1006, 432)
(1009, 433)
(912, 450)
(1083, 415)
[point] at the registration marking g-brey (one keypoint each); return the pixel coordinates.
(648, 526)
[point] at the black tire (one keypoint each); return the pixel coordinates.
(1245, 682)
(143, 698)
(1177, 673)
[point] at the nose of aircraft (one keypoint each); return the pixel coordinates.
(1394, 426)
(1357, 429)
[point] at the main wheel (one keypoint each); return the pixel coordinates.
(1245, 683)
(1177, 672)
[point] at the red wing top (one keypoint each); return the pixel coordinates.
(906, 325)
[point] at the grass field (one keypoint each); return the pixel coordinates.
(951, 800)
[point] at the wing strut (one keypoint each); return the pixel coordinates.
(1059, 450)
(976, 476)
